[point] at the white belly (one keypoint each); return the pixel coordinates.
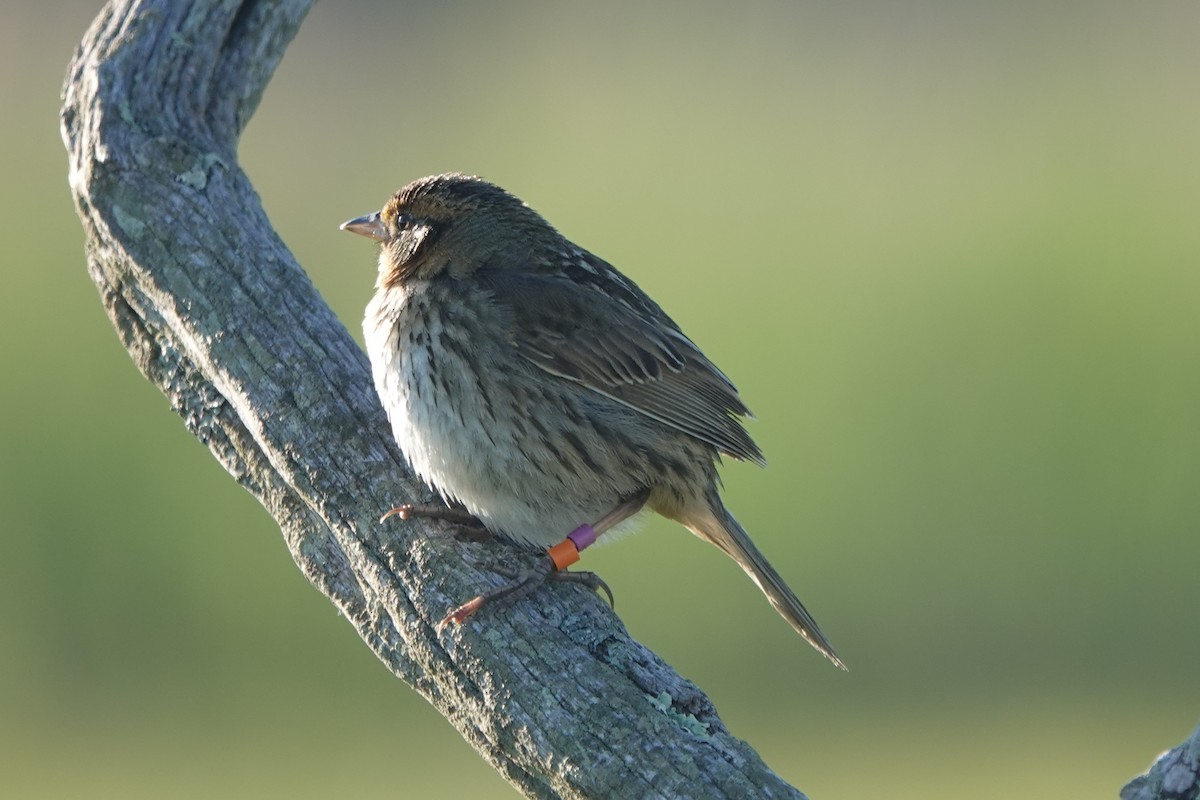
(479, 451)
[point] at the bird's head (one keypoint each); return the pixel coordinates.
(453, 225)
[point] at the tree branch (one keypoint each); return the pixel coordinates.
(1175, 775)
(215, 312)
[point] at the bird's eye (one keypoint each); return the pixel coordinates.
(403, 221)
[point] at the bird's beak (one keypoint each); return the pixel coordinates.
(370, 226)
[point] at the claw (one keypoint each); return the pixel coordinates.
(588, 579)
(460, 615)
(402, 512)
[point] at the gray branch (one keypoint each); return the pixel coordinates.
(216, 312)
(1175, 775)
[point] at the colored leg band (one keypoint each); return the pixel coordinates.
(566, 552)
(563, 554)
(584, 536)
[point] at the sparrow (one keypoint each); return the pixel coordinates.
(531, 383)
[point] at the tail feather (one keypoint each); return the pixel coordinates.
(723, 530)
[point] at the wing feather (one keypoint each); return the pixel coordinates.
(635, 355)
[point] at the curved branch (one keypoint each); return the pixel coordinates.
(215, 312)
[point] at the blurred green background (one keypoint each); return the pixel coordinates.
(949, 253)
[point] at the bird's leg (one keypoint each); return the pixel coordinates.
(465, 525)
(554, 565)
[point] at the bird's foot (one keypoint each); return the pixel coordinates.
(521, 584)
(463, 524)
(554, 566)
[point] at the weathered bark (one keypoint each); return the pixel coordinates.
(215, 312)
(1175, 775)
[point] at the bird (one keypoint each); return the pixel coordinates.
(532, 384)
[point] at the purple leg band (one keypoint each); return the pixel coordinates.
(583, 536)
